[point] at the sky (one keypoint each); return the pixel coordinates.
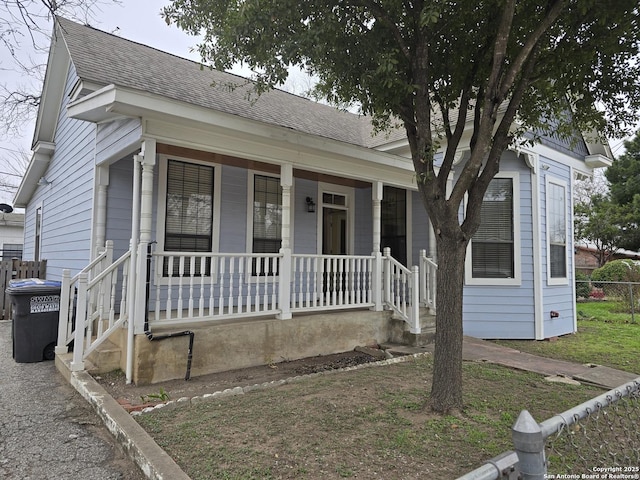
(137, 20)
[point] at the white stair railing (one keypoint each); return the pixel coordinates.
(93, 305)
(428, 270)
(401, 290)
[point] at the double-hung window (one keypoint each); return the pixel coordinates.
(557, 231)
(267, 221)
(189, 212)
(494, 250)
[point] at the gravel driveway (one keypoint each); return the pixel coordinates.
(47, 430)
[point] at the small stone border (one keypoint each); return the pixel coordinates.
(229, 392)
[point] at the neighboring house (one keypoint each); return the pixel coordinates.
(11, 235)
(586, 257)
(265, 218)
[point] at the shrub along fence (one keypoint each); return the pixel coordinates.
(623, 296)
(597, 439)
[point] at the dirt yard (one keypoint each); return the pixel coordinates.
(115, 384)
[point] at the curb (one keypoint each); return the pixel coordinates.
(154, 462)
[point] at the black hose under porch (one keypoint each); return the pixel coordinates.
(157, 338)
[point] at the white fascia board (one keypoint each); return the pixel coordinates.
(397, 172)
(597, 161)
(52, 90)
(197, 127)
(36, 169)
(94, 107)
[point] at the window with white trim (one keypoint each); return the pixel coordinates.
(267, 220)
(493, 256)
(557, 230)
(189, 210)
(492, 252)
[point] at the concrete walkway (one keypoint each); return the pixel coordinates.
(158, 465)
(483, 351)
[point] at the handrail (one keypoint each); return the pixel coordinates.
(86, 303)
(428, 271)
(401, 290)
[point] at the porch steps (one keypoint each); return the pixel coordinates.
(105, 358)
(401, 333)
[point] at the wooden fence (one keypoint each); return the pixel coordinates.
(13, 270)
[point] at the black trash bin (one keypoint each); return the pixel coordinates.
(36, 308)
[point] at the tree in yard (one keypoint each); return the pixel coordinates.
(473, 75)
(624, 184)
(601, 223)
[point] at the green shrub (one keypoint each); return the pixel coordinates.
(583, 289)
(618, 271)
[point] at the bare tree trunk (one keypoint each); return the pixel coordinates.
(446, 389)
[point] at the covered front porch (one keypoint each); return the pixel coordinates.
(315, 283)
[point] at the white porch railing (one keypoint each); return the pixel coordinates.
(321, 282)
(401, 290)
(93, 304)
(202, 287)
(428, 270)
(196, 287)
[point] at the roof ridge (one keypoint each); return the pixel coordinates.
(332, 122)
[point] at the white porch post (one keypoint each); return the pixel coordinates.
(133, 264)
(376, 197)
(102, 182)
(286, 182)
(148, 155)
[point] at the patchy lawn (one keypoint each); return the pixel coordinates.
(366, 423)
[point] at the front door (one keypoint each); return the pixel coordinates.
(334, 231)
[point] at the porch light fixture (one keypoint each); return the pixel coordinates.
(43, 182)
(311, 205)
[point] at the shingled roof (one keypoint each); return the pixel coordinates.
(103, 59)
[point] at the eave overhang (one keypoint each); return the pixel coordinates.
(42, 152)
(112, 102)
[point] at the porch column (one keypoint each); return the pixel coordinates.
(133, 264)
(102, 182)
(376, 197)
(286, 182)
(148, 161)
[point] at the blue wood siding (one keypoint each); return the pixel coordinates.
(117, 139)
(233, 209)
(558, 298)
(305, 224)
(363, 228)
(507, 311)
(120, 205)
(67, 202)
(420, 226)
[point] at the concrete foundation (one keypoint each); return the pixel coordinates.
(249, 342)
